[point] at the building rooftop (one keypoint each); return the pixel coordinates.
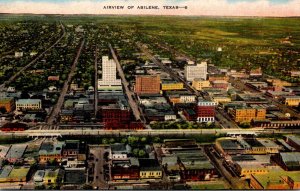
(149, 165)
(49, 173)
(293, 138)
(291, 159)
(74, 177)
(6, 100)
(171, 162)
(28, 101)
(268, 143)
(120, 148)
(19, 172)
(5, 171)
(51, 148)
(16, 151)
(229, 144)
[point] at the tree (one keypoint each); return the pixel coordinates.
(133, 140)
(124, 140)
(144, 140)
(111, 140)
(142, 153)
(105, 141)
(156, 140)
(135, 152)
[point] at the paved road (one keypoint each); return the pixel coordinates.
(96, 82)
(146, 132)
(99, 161)
(12, 78)
(234, 181)
(133, 104)
(55, 111)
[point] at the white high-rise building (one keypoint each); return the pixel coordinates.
(192, 72)
(109, 75)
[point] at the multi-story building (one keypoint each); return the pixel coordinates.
(171, 85)
(292, 100)
(7, 103)
(150, 169)
(214, 77)
(109, 79)
(206, 111)
(220, 84)
(199, 84)
(147, 84)
(246, 114)
(195, 71)
(125, 169)
(50, 151)
(28, 104)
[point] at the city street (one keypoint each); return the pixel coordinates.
(56, 109)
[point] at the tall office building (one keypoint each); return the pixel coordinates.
(206, 111)
(195, 71)
(109, 79)
(147, 84)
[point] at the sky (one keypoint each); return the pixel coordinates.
(273, 8)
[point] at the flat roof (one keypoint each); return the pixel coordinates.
(51, 148)
(294, 138)
(28, 101)
(16, 151)
(5, 171)
(19, 172)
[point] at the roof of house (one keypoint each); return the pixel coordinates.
(149, 165)
(294, 138)
(16, 151)
(6, 100)
(194, 159)
(291, 159)
(39, 175)
(72, 144)
(171, 162)
(19, 172)
(50, 173)
(28, 101)
(74, 177)
(51, 148)
(120, 148)
(5, 171)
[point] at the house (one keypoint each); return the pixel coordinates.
(294, 141)
(39, 176)
(289, 161)
(150, 169)
(125, 169)
(277, 180)
(53, 176)
(73, 148)
(51, 151)
(171, 167)
(28, 104)
(11, 174)
(119, 151)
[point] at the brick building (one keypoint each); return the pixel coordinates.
(147, 84)
(206, 111)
